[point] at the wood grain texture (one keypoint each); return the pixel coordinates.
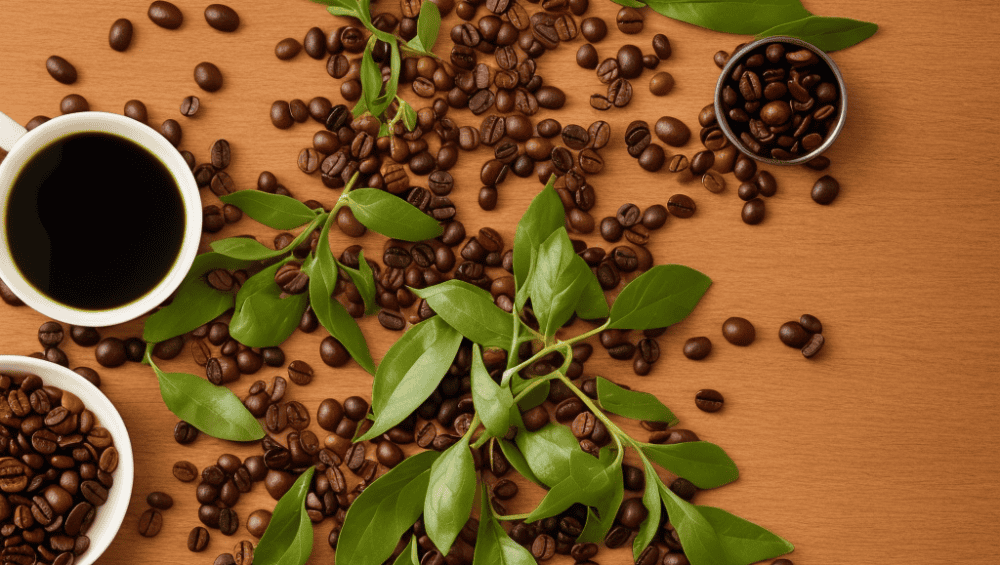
(883, 449)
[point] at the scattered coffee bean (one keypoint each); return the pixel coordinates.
(813, 346)
(120, 36)
(61, 69)
(222, 17)
(825, 190)
(165, 14)
(738, 331)
(629, 20)
(811, 323)
(681, 206)
(661, 84)
(753, 211)
(709, 400)
(697, 348)
(208, 77)
(793, 334)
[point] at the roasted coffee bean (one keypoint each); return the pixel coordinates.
(697, 348)
(110, 352)
(549, 97)
(208, 77)
(608, 71)
(702, 162)
(793, 334)
(813, 346)
(150, 522)
(165, 14)
(811, 323)
(681, 206)
(61, 69)
(543, 548)
(738, 331)
(652, 158)
(629, 61)
(709, 400)
(825, 190)
(672, 131)
(593, 29)
(629, 20)
(661, 83)
(620, 92)
(391, 320)
(586, 56)
(753, 211)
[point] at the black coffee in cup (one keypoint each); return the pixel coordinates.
(94, 221)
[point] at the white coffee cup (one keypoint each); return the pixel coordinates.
(22, 145)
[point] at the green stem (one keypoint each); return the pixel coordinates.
(549, 349)
(472, 427)
(511, 516)
(342, 201)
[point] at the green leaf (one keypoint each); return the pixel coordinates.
(409, 555)
(371, 78)
(493, 545)
(711, 536)
(428, 24)
(651, 500)
(450, 495)
(195, 302)
(662, 296)
(391, 216)
(261, 317)
(384, 511)
(589, 482)
(556, 283)
(410, 371)
(288, 539)
(341, 7)
(745, 17)
(829, 34)
(517, 461)
(409, 115)
(492, 401)
(548, 451)
(322, 270)
(632, 404)
(536, 396)
(629, 3)
(592, 304)
(214, 410)
(704, 464)
(364, 279)
(470, 310)
(272, 210)
(544, 216)
(598, 525)
(244, 248)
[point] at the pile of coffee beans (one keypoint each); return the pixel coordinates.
(781, 100)
(57, 468)
(806, 334)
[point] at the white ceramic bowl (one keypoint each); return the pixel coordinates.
(108, 517)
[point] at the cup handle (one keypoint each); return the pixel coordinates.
(10, 132)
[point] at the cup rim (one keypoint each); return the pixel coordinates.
(155, 143)
(738, 143)
(110, 516)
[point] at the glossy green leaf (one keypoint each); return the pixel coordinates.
(288, 539)
(556, 283)
(450, 494)
(273, 210)
(704, 464)
(548, 451)
(428, 25)
(745, 17)
(660, 297)
(493, 545)
(214, 410)
(409, 555)
(492, 401)
(651, 500)
(384, 511)
(341, 7)
(410, 371)
(391, 216)
(371, 79)
(589, 482)
(322, 270)
(517, 461)
(535, 397)
(364, 279)
(409, 115)
(632, 403)
(629, 3)
(244, 248)
(544, 216)
(593, 305)
(829, 34)
(599, 523)
(711, 536)
(470, 310)
(195, 302)
(262, 318)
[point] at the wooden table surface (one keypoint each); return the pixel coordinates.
(883, 449)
